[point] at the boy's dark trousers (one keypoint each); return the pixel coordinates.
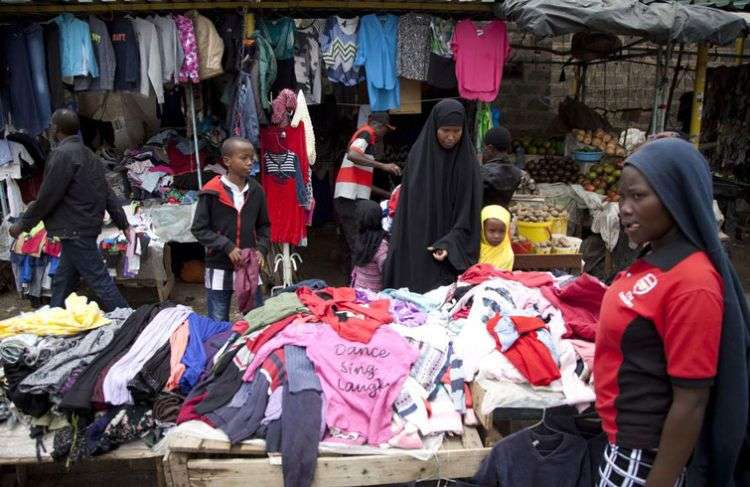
(81, 258)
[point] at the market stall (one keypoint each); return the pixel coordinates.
(198, 389)
(409, 365)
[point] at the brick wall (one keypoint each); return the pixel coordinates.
(525, 94)
(531, 89)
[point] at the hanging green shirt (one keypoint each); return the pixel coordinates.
(266, 69)
(280, 34)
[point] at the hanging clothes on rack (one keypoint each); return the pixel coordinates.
(338, 42)
(442, 69)
(480, 53)
(284, 175)
(210, 46)
(127, 56)
(148, 45)
(377, 37)
(265, 63)
(414, 39)
(28, 104)
(105, 58)
(280, 35)
(307, 63)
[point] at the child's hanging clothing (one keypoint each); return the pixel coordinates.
(500, 256)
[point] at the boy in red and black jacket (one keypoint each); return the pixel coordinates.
(231, 216)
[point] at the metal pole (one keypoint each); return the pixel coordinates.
(3, 201)
(739, 49)
(658, 115)
(191, 106)
(583, 87)
(699, 88)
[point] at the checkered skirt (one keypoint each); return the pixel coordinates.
(626, 467)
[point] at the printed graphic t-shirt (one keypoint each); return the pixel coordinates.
(660, 326)
(360, 381)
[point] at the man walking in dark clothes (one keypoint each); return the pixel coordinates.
(71, 203)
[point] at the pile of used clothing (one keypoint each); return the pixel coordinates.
(317, 366)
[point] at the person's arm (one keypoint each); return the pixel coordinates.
(114, 208)
(263, 226)
(57, 176)
(381, 193)
(204, 234)
(679, 435)
(363, 160)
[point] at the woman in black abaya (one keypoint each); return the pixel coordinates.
(436, 231)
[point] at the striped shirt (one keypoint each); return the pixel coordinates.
(354, 181)
(219, 280)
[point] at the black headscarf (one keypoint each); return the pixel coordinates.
(370, 233)
(680, 175)
(439, 207)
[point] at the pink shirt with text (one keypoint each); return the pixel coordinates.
(360, 381)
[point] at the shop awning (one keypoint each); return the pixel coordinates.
(728, 4)
(657, 22)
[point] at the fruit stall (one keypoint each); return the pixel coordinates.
(576, 177)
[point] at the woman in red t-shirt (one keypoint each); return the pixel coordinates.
(671, 364)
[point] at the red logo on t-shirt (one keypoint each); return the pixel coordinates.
(643, 286)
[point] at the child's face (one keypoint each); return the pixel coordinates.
(494, 231)
(240, 161)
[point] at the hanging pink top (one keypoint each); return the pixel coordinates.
(189, 69)
(480, 54)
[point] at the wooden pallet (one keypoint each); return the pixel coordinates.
(186, 465)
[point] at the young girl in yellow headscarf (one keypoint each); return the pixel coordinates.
(496, 247)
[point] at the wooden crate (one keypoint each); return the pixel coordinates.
(186, 465)
(572, 263)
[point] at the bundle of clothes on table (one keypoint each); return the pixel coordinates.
(317, 366)
(166, 166)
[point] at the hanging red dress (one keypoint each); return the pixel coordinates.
(288, 217)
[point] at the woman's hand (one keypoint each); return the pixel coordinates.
(438, 254)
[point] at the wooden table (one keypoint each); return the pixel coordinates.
(547, 262)
(186, 465)
(134, 461)
(159, 275)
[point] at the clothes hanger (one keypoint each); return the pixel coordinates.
(441, 481)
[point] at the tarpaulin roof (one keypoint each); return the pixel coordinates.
(657, 22)
(729, 4)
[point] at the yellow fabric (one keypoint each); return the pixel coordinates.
(76, 317)
(500, 256)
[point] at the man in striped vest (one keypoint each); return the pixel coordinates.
(354, 180)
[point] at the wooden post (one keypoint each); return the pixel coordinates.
(739, 50)
(176, 469)
(699, 88)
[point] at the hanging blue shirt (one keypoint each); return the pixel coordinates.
(377, 37)
(76, 50)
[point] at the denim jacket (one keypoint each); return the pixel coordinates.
(76, 49)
